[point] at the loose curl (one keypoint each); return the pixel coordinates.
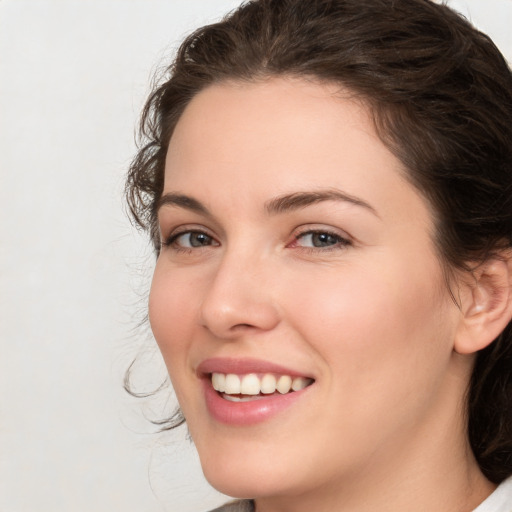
(440, 94)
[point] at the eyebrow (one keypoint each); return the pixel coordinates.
(277, 205)
(298, 200)
(182, 201)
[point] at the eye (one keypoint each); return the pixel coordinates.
(190, 240)
(320, 239)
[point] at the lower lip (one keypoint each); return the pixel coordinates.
(248, 413)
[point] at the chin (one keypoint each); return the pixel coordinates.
(246, 487)
(246, 476)
(240, 488)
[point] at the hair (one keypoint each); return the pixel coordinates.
(440, 95)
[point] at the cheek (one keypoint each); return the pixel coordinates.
(171, 316)
(376, 328)
(384, 342)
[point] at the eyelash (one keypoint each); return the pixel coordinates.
(341, 242)
(171, 241)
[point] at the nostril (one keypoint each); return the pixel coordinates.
(228, 310)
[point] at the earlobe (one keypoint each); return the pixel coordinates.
(486, 305)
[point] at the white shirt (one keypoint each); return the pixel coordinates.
(500, 500)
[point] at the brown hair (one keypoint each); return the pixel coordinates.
(440, 94)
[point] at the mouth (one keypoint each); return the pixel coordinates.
(244, 392)
(253, 386)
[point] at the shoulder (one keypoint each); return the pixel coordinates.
(500, 500)
(236, 506)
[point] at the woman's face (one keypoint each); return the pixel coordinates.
(295, 251)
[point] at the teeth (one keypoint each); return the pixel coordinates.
(300, 383)
(252, 385)
(238, 398)
(284, 384)
(268, 384)
(219, 382)
(232, 385)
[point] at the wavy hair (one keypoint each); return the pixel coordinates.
(440, 94)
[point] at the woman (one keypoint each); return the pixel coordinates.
(327, 187)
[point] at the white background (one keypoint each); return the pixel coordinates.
(73, 272)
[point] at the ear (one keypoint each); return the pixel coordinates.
(486, 304)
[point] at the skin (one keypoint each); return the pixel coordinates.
(368, 315)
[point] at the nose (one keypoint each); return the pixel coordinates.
(239, 298)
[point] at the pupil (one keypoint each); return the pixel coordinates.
(323, 239)
(199, 239)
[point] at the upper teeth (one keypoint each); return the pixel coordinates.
(252, 384)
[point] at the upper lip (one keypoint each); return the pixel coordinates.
(244, 366)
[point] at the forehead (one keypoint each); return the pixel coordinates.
(271, 114)
(283, 134)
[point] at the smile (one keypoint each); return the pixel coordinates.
(252, 385)
(245, 392)
(238, 388)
